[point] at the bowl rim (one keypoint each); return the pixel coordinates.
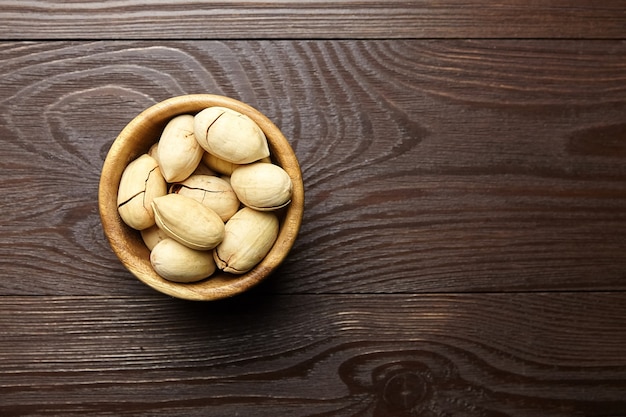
(123, 239)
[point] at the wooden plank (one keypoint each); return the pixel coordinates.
(353, 19)
(429, 166)
(554, 354)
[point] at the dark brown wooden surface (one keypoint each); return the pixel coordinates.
(279, 19)
(463, 250)
(316, 355)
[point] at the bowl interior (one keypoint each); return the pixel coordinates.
(134, 140)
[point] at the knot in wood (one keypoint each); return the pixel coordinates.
(404, 390)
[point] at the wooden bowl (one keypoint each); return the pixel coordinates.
(134, 140)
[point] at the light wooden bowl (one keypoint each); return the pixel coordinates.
(135, 139)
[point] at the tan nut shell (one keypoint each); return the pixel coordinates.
(249, 236)
(178, 152)
(262, 186)
(153, 151)
(188, 221)
(176, 262)
(152, 235)
(230, 135)
(140, 183)
(219, 165)
(203, 169)
(224, 167)
(213, 192)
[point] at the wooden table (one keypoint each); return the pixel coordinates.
(463, 250)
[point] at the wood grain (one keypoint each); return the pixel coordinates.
(429, 166)
(470, 355)
(353, 19)
(462, 251)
